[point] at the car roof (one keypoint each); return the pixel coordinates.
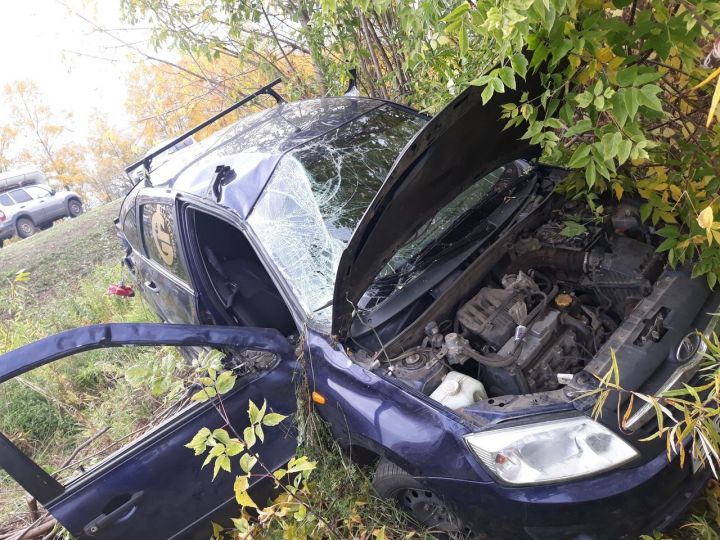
(252, 148)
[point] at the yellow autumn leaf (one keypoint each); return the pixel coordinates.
(705, 219)
(707, 79)
(618, 190)
(604, 54)
(676, 192)
(713, 104)
(241, 494)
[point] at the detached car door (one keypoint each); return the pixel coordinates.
(155, 488)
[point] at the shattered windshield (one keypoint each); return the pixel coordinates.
(317, 195)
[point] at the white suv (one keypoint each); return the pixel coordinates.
(24, 210)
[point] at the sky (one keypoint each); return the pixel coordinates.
(77, 68)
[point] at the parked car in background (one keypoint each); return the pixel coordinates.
(448, 323)
(28, 203)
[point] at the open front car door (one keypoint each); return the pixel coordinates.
(154, 487)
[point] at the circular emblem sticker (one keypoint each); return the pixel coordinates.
(161, 236)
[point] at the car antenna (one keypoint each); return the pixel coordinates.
(268, 89)
(352, 90)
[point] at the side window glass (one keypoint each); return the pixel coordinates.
(159, 238)
(36, 192)
(5, 200)
(130, 228)
(20, 196)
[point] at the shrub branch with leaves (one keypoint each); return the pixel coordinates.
(222, 447)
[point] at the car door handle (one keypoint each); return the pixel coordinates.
(104, 520)
(151, 286)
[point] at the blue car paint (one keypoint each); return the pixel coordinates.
(158, 469)
(370, 412)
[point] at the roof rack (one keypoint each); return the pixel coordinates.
(146, 161)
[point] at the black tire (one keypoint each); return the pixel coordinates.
(427, 508)
(25, 227)
(75, 208)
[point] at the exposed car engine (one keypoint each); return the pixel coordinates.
(544, 310)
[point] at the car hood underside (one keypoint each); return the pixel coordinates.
(462, 143)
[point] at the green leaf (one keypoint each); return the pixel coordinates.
(580, 157)
(204, 394)
(584, 99)
(456, 13)
(234, 447)
(260, 433)
(572, 228)
(581, 126)
(623, 151)
(249, 437)
(247, 462)
(590, 174)
(300, 464)
(507, 76)
(486, 94)
(519, 63)
(273, 419)
(221, 435)
(667, 244)
(648, 97)
(199, 441)
(645, 211)
(631, 102)
(225, 382)
(253, 412)
(222, 462)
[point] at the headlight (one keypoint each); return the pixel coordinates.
(550, 451)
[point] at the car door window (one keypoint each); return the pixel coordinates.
(86, 460)
(130, 228)
(159, 238)
(37, 192)
(5, 200)
(20, 196)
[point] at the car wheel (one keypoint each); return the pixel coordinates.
(75, 208)
(428, 509)
(25, 227)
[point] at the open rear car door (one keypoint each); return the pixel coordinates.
(155, 487)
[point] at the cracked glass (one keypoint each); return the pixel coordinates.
(317, 195)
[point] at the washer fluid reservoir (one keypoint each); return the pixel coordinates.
(457, 391)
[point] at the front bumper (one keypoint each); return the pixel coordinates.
(622, 504)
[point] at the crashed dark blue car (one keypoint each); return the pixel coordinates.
(449, 322)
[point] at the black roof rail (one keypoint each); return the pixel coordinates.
(146, 161)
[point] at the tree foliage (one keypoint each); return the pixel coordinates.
(623, 105)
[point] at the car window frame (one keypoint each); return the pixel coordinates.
(156, 198)
(10, 194)
(187, 203)
(38, 482)
(46, 190)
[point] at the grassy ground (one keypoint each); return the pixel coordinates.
(57, 280)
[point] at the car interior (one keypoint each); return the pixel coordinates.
(244, 288)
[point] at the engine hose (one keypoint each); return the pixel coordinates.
(546, 257)
(578, 326)
(490, 361)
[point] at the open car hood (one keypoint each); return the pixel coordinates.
(461, 144)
